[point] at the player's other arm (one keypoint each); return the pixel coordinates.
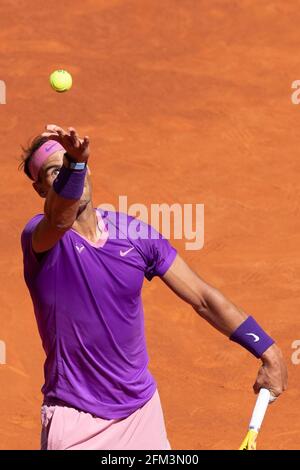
(223, 315)
(61, 206)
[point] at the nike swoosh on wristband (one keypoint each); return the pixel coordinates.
(256, 338)
(124, 253)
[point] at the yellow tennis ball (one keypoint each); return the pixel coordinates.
(61, 80)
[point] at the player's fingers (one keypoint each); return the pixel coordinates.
(256, 388)
(51, 136)
(50, 126)
(272, 398)
(74, 137)
(61, 133)
(86, 141)
(54, 128)
(73, 131)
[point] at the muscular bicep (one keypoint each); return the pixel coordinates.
(186, 283)
(45, 236)
(208, 301)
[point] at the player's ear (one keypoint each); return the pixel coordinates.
(37, 187)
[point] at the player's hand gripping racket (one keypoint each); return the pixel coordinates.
(261, 405)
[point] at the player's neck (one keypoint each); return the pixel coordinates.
(86, 224)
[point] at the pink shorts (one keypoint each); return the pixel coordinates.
(65, 428)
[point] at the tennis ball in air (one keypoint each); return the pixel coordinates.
(61, 80)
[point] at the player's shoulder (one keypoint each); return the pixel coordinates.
(31, 224)
(124, 225)
(28, 229)
(33, 221)
(110, 214)
(115, 218)
(131, 227)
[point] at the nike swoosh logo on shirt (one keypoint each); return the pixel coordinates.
(124, 253)
(256, 338)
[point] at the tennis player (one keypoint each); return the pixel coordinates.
(84, 269)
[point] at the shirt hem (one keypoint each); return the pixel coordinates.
(63, 398)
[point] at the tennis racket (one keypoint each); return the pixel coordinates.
(260, 408)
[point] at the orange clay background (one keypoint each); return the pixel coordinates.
(185, 101)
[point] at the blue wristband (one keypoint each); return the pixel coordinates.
(252, 337)
(69, 183)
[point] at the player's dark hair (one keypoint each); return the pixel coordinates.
(28, 151)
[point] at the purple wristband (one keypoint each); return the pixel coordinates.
(252, 337)
(69, 183)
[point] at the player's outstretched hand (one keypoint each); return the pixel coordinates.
(273, 372)
(77, 148)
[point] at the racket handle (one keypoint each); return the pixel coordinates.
(260, 409)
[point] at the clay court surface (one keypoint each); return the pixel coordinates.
(185, 101)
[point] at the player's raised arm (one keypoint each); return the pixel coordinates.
(211, 305)
(62, 182)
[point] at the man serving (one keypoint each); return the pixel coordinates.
(84, 269)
